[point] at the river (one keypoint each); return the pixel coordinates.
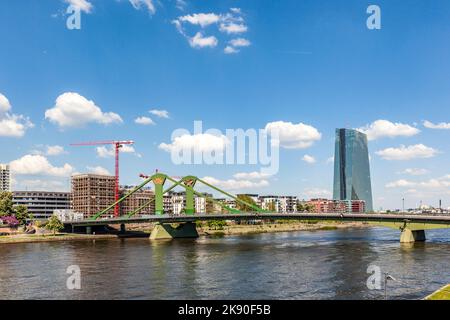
(292, 265)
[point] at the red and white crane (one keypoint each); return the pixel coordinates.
(117, 146)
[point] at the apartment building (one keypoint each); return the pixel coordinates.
(5, 178)
(42, 204)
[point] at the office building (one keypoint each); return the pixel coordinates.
(5, 178)
(337, 206)
(42, 204)
(92, 193)
(352, 168)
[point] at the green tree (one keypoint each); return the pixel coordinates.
(54, 224)
(6, 204)
(21, 213)
(244, 207)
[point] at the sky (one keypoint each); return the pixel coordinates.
(141, 69)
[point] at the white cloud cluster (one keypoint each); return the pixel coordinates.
(12, 125)
(73, 110)
(49, 150)
(202, 143)
(441, 126)
(98, 170)
(149, 4)
(234, 184)
(160, 113)
(145, 121)
(437, 184)
(39, 165)
(231, 23)
(108, 152)
(407, 152)
(387, 129)
(293, 136)
(82, 5)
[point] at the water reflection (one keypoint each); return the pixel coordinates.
(298, 265)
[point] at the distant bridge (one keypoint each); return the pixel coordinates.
(412, 226)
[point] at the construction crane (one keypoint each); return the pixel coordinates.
(117, 146)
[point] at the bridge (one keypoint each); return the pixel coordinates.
(412, 227)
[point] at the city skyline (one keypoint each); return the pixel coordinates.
(144, 89)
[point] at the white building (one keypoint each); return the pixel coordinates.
(5, 178)
(68, 215)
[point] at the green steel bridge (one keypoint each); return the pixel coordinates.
(412, 227)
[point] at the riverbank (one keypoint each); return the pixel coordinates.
(144, 230)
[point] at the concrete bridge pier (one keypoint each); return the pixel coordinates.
(123, 228)
(410, 236)
(168, 231)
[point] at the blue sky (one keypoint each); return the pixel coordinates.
(313, 62)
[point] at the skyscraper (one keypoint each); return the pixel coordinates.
(5, 178)
(352, 168)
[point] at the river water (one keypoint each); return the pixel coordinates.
(294, 265)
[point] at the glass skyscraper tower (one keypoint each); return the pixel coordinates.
(352, 168)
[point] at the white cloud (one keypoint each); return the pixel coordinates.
(199, 142)
(309, 159)
(55, 150)
(233, 185)
(38, 165)
(180, 4)
(82, 5)
(240, 42)
(144, 121)
(317, 193)
(98, 170)
(230, 50)
(384, 128)
(233, 28)
(415, 171)
(160, 113)
(256, 175)
(200, 41)
(407, 152)
(5, 106)
(138, 4)
(229, 23)
(201, 19)
(293, 136)
(74, 110)
(12, 125)
(108, 152)
(437, 184)
(441, 126)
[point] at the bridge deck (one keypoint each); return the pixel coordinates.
(265, 216)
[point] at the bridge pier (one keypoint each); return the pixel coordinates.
(410, 236)
(167, 231)
(123, 229)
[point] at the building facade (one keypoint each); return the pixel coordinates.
(352, 168)
(142, 200)
(92, 193)
(5, 178)
(337, 206)
(42, 204)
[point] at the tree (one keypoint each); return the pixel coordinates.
(244, 207)
(6, 204)
(21, 213)
(54, 224)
